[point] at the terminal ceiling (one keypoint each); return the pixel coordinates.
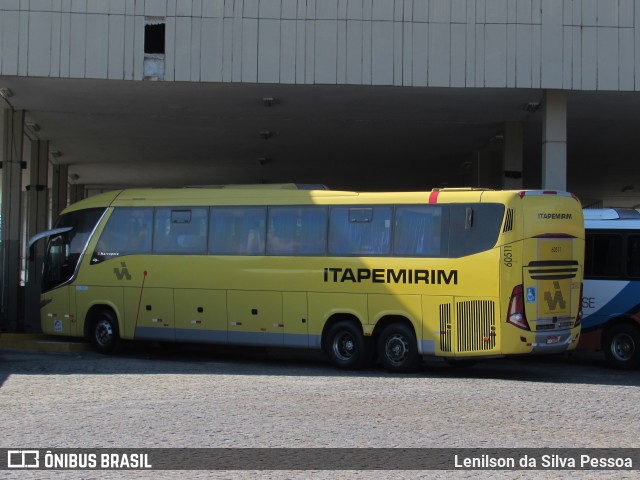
(125, 133)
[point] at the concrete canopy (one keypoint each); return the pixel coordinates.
(127, 133)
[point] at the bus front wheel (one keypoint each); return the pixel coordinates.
(104, 332)
(622, 346)
(398, 348)
(347, 347)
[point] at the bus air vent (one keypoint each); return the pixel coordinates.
(445, 327)
(553, 269)
(508, 221)
(476, 325)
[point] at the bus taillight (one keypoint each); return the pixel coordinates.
(515, 314)
(579, 315)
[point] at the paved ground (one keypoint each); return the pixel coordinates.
(147, 397)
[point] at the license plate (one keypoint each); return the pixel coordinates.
(553, 339)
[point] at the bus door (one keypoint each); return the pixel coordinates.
(550, 300)
(57, 308)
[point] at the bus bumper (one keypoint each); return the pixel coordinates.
(553, 342)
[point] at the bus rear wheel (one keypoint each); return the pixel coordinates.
(347, 347)
(104, 332)
(398, 348)
(621, 346)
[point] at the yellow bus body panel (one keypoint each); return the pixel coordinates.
(201, 315)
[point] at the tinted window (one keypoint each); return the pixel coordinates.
(603, 255)
(297, 231)
(360, 231)
(633, 256)
(237, 231)
(418, 231)
(128, 231)
(473, 227)
(180, 230)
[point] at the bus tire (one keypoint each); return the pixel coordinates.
(347, 347)
(104, 333)
(398, 348)
(621, 345)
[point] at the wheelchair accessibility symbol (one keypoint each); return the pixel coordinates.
(531, 294)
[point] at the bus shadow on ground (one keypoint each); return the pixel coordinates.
(576, 368)
(140, 359)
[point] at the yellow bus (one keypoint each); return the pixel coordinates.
(390, 277)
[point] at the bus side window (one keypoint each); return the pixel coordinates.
(603, 261)
(237, 230)
(474, 228)
(180, 230)
(418, 231)
(360, 231)
(633, 256)
(297, 231)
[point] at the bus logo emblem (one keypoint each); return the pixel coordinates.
(122, 272)
(557, 298)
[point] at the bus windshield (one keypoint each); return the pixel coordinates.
(65, 249)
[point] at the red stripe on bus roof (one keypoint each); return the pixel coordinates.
(433, 197)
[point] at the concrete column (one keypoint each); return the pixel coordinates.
(554, 140)
(488, 163)
(12, 131)
(513, 154)
(76, 193)
(37, 215)
(37, 202)
(59, 191)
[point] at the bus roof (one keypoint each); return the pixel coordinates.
(610, 213)
(611, 218)
(267, 186)
(291, 194)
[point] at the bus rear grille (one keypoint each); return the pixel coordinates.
(476, 325)
(445, 327)
(508, 221)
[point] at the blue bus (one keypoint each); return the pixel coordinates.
(611, 295)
